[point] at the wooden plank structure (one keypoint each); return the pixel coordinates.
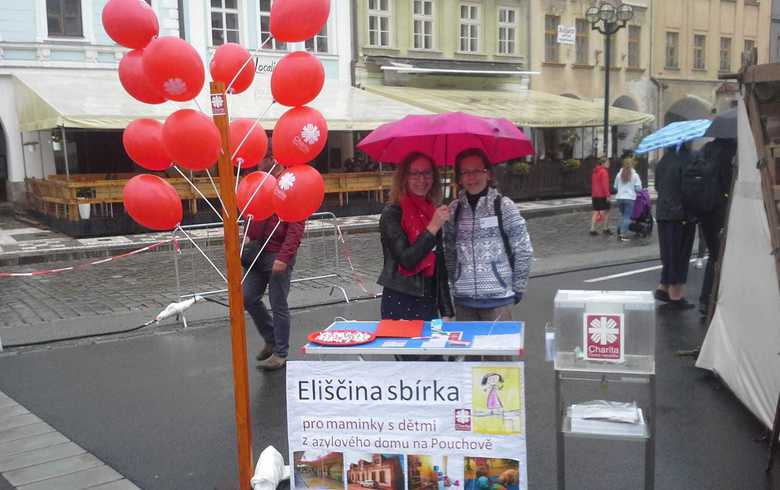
(59, 196)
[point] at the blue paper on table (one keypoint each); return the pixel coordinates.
(674, 134)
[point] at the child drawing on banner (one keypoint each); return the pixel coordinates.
(497, 400)
(492, 383)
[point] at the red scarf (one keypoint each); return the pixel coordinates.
(416, 213)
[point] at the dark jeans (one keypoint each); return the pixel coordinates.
(710, 226)
(675, 241)
(274, 330)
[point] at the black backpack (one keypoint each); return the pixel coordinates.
(500, 217)
(700, 187)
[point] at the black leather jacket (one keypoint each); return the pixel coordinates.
(397, 250)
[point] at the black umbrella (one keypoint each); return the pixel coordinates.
(724, 125)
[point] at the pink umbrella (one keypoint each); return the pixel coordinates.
(443, 136)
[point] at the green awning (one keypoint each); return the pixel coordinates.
(527, 108)
(94, 99)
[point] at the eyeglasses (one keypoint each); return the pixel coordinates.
(473, 173)
(425, 175)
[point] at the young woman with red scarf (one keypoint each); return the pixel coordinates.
(414, 275)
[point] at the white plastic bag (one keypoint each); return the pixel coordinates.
(270, 470)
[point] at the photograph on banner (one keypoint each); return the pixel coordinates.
(426, 471)
(410, 425)
(377, 470)
(318, 469)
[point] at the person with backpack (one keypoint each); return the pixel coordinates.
(706, 184)
(627, 184)
(676, 229)
(486, 245)
(600, 192)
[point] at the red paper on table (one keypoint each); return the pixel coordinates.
(399, 328)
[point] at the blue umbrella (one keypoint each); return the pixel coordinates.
(674, 134)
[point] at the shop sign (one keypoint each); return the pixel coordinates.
(566, 34)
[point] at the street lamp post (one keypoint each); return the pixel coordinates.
(608, 19)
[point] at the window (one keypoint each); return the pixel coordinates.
(268, 42)
(551, 37)
(748, 51)
(379, 23)
(582, 41)
(423, 24)
(725, 54)
(319, 43)
(224, 22)
(634, 43)
(507, 30)
(699, 51)
(63, 18)
(469, 28)
(672, 50)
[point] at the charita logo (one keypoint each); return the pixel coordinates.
(174, 86)
(603, 337)
(287, 181)
(309, 135)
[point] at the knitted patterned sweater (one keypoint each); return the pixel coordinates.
(477, 264)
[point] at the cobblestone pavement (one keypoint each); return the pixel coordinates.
(148, 281)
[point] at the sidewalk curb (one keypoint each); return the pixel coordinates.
(13, 259)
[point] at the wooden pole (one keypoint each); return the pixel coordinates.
(219, 112)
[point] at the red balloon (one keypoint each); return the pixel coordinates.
(297, 79)
(174, 68)
(152, 202)
(299, 192)
(299, 136)
(261, 206)
(131, 23)
(298, 20)
(227, 60)
(191, 139)
(255, 146)
(134, 79)
(143, 143)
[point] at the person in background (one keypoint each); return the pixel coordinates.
(271, 271)
(720, 153)
(486, 245)
(414, 275)
(675, 229)
(600, 191)
(627, 184)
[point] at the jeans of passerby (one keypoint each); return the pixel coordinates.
(274, 327)
(709, 232)
(626, 207)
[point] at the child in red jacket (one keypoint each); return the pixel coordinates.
(600, 197)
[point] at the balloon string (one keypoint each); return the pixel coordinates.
(260, 251)
(202, 253)
(246, 233)
(243, 140)
(235, 77)
(197, 103)
(213, 185)
(219, 216)
(257, 189)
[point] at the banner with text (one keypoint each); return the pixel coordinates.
(407, 425)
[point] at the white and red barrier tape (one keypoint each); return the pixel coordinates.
(47, 272)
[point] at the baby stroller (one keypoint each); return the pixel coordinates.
(642, 215)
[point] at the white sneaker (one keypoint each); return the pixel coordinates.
(699, 264)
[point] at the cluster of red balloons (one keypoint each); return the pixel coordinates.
(158, 69)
